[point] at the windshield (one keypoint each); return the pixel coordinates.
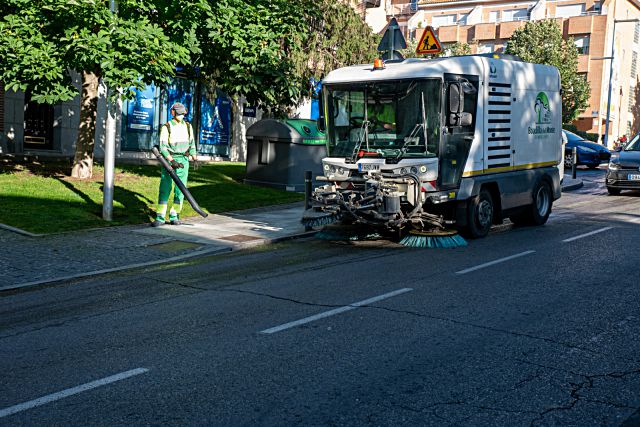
(634, 144)
(398, 118)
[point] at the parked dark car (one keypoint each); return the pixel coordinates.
(624, 168)
(590, 154)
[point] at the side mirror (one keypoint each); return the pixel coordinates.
(320, 122)
(618, 148)
(456, 105)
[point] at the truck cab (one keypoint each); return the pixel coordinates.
(452, 142)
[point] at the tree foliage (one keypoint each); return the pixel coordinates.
(265, 50)
(541, 42)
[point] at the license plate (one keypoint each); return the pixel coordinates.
(367, 167)
(634, 177)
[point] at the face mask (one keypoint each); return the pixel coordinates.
(179, 117)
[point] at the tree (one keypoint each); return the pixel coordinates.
(267, 50)
(43, 39)
(541, 42)
(263, 49)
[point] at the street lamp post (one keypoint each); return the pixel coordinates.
(613, 46)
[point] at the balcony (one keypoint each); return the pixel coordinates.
(485, 32)
(448, 34)
(580, 25)
(508, 28)
(583, 63)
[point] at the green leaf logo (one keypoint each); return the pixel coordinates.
(542, 109)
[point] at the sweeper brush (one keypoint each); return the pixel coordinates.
(433, 239)
(313, 218)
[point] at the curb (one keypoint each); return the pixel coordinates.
(194, 254)
(572, 187)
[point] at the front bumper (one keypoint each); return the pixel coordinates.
(620, 179)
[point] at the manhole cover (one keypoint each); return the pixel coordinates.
(240, 238)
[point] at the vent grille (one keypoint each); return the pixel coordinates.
(499, 153)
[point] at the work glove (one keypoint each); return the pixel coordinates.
(176, 165)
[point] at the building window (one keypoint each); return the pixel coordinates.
(486, 47)
(494, 16)
(570, 10)
(636, 33)
(515, 15)
(634, 66)
(597, 7)
(441, 20)
(632, 98)
(462, 20)
(582, 43)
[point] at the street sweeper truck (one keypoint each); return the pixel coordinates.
(422, 149)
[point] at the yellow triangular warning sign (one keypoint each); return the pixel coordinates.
(429, 42)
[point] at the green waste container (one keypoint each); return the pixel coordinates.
(280, 151)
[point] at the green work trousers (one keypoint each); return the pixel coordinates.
(167, 184)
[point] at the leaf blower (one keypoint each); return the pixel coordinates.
(181, 186)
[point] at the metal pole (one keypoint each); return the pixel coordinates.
(109, 149)
(307, 194)
(613, 46)
(606, 124)
(574, 161)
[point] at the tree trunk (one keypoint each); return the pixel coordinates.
(83, 160)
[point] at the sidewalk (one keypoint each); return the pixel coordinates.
(32, 261)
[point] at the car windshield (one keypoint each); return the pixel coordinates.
(634, 144)
(396, 119)
(572, 137)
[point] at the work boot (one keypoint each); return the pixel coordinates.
(176, 222)
(157, 222)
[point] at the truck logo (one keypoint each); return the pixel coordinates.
(542, 109)
(493, 71)
(543, 117)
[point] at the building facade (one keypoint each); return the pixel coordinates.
(487, 27)
(31, 129)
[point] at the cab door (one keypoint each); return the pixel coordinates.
(460, 107)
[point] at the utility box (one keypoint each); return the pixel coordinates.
(280, 151)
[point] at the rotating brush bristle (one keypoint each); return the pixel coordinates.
(433, 239)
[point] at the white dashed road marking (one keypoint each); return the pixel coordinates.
(587, 234)
(335, 311)
(498, 261)
(70, 392)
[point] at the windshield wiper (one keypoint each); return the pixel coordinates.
(364, 130)
(414, 132)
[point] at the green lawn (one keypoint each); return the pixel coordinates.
(42, 198)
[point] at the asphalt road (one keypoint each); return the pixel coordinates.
(529, 326)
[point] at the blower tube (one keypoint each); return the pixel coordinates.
(187, 194)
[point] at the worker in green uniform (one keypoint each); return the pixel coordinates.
(178, 147)
(382, 116)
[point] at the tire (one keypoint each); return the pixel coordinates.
(568, 158)
(542, 203)
(613, 191)
(537, 213)
(480, 215)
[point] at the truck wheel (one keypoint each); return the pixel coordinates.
(480, 215)
(542, 202)
(537, 212)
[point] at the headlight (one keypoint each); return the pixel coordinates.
(414, 169)
(326, 167)
(403, 171)
(341, 170)
(614, 166)
(332, 169)
(423, 169)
